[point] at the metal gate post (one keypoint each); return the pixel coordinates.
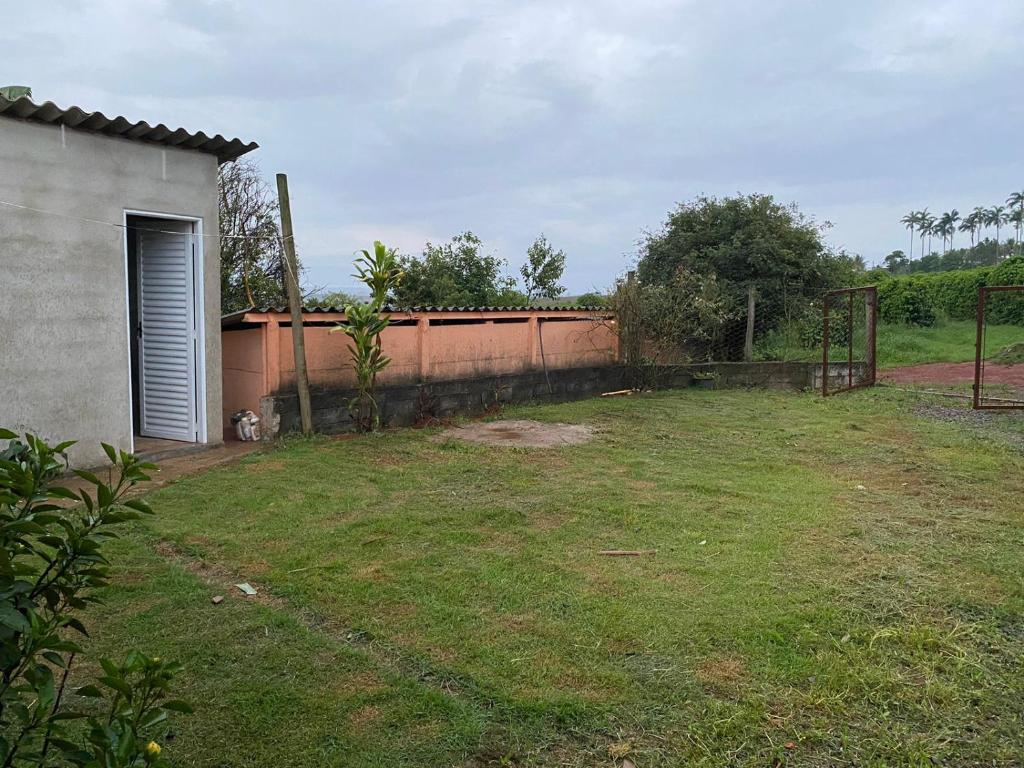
(979, 344)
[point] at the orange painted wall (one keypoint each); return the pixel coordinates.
(434, 346)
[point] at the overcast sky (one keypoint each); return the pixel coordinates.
(586, 120)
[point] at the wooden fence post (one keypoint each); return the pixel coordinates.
(291, 282)
(748, 344)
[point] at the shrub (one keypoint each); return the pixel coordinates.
(50, 562)
(906, 301)
(912, 299)
(1007, 308)
(679, 321)
(955, 294)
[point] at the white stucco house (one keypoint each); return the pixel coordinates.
(109, 279)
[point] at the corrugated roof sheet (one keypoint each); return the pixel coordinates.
(313, 310)
(77, 118)
(393, 308)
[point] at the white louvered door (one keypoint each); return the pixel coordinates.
(167, 332)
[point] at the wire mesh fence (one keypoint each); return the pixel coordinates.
(766, 321)
(999, 362)
(848, 342)
(693, 321)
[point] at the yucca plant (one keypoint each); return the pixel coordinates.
(364, 325)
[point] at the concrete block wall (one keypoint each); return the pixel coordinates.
(416, 403)
(403, 405)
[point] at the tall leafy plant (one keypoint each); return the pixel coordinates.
(51, 561)
(364, 324)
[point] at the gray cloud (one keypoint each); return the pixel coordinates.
(585, 119)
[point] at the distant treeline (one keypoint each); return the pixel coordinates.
(920, 299)
(984, 254)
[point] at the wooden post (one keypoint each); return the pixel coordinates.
(748, 344)
(291, 282)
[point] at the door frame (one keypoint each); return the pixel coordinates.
(199, 309)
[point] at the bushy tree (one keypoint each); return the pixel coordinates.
(250, 245)
(677, 321)
(543, 269)
(896, 261)
(337, 299)
(592, 299)
(744, 242)
(456, 273)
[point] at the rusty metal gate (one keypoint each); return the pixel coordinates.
(849, 323)
(997, 385)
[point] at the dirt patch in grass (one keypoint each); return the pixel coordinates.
(364, 717)
(221, 579)
(721, 671)
(365, 682)
(521, 433)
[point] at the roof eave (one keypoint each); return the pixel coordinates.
(224, 149)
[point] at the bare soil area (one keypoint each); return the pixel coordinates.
(955, 373)
(521, 433)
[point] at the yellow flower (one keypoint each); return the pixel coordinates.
(153, 750)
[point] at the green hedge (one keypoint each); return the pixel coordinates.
(919, 299)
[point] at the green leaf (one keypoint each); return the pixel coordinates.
(54, 658)
(76, 625)
(117, 684)
(88, 477)
(111, 453)
(12, 618)
(6, 434)
(90, 691)
(104, 495)
(139, 506)
(152, 717)
(177, 705)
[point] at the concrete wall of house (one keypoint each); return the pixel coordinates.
(63, 311)
(423, 347)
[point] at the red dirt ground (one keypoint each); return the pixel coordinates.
(954, 373)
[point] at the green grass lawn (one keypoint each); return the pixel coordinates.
(837, 582)
(948, 341)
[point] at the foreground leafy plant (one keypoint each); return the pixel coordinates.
(364, 325)
(50, 561)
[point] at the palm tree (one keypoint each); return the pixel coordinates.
(996, 217)
(1016, 200)
(925, 223)
(910, 222)
(1017, 219)
(940, 229)
(979, 214)
(967, 224)
(952, 217)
